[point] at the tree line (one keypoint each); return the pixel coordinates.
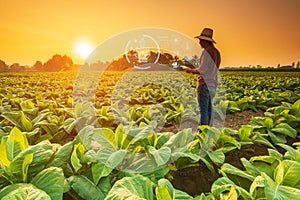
(54, 64)
(125, 62)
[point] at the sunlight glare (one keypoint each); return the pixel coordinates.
(83, 48)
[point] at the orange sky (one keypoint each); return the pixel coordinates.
(248, 32)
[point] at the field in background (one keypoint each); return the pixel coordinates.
(140, 136)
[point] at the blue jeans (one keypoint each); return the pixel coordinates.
(205, 97)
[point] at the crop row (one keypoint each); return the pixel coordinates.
(62, 136)
(136, 161)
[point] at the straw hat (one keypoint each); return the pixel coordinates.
(206, 34)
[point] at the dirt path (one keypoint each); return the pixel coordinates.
(236, 120)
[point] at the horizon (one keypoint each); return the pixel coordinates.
(247, 33)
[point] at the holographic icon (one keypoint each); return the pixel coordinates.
(138, 51)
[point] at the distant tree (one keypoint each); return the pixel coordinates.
(298, 64)
(132, 56)
(16, 67)
(120, 64)
(278, 66)
(38, 65)
(165, 58)
(293, 64)
(58, 63)
(152, 58)
(3, 66)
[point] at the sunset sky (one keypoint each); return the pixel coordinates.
(248, 32)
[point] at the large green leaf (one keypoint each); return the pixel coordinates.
(139, 134)
(111, 158)
(23, 191)
(50, 180)
(15, 144)
(3, 155)
(19, 119)
(77, 153)
(287, 173)
(40, 118)
(105, 137)
(180, 140)
(228, 169)
(161, 156)
(285, 129)
(269, 123)
(218, 157)
(296, 108)
(85, 188)
(275, 191)
(49, 127)
(165, 191)
(20, 165)
(136, 187)
(291, 154)
(100, 170)
(42, 154)
(257, 187)
(222, 185)
(245, 133)
(62, 156)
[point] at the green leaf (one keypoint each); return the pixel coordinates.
(99, 170)
(139, 134)
(62, 156)
(232, 195)
(222, 185)
(277, 138)
(256, 185)
(285, 129)
(23, 191)
(50, 128)
(85, 188)
(77, 153)
(261, 140)
(27, 104)
(42, 154)
(161, 156)
(291, 153)
(269, 123)
(3, 155)
(274, 191)
(165, 191)
(245, 133)
(40, 118)
(15, 144)
(295, 109)
(217, 157)
(19, 119)
(69, 125)
(136, 187)
(111, 158)
(229, 169)
(287, 173)
(50, 180)
(180, 139)
(105, 137)
(120, 136)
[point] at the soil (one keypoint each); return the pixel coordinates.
(236, 120)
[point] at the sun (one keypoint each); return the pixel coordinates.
(83, 48)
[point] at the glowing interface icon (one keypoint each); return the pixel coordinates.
(139, 51)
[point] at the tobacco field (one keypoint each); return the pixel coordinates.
(132, 136)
